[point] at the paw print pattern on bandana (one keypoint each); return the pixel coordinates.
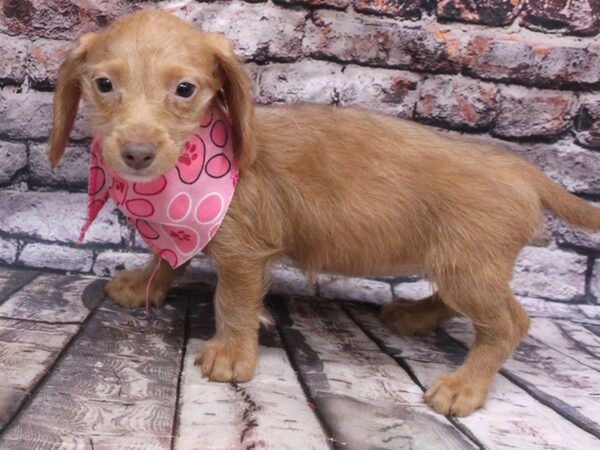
(191, 161)
(179, 212)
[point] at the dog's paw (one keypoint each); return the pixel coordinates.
(228, 360)
(456, 395)
(409, 317)
(128, 289)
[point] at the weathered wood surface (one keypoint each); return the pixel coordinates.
(77, 372)
(270, 411)
(53, 298)
(511, 418)
(562, 383)
(28, 348)
(114, 387)
(365, 398)
(11, 280)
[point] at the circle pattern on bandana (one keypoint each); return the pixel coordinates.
(140, 207)
(169, 256)
(97, 180)
(218, 134)
(209, 208)
(146, 230)
(153, 187)
(191, 161)
(179, 207)
(184, 238)
(218, 166)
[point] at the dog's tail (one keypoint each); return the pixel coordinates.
(564, 204)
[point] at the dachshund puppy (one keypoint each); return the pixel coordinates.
(339, 190)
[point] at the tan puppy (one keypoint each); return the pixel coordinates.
(345, 191)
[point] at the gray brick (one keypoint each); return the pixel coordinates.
(568, 234)
(72, 170)
(259, 31)
(291, 281)
(577, 17)
(13, 59)
(549, 273)
(8, 250)
(457, 102)
(573, 167)
(109, 262)
(382, 42)
(360, 289)
(56, 216)
(28, 115)
(525, 113)
(13, 157)
(56, 257)
(595, 283)
(489, 12)
(337, 4)
(414, 290)
(390, 91)
(588, 122)
(44, 60)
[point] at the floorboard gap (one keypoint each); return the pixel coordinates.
(186, 334)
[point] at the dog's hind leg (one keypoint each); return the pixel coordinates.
(416, 317)
(500, 323)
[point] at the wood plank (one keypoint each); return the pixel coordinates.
(566, 385)
(270, 411)
(365, 398)
(572, 340)
(11, 280)
(511, 417)
(114, 387)
(54, 298)
(28, 349)
(536, 307)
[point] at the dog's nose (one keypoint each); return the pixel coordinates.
(138, 155)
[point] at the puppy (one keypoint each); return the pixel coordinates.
(338, 190)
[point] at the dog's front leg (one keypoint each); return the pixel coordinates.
(232, 353)
(128, 288)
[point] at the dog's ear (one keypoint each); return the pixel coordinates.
(238, 95)
(66, 97)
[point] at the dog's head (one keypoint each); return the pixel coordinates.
(147, 81)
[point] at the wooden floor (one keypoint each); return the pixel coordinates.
(76, 371)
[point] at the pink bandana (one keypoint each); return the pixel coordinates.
(178, 213)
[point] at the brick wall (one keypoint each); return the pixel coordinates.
(523, 73)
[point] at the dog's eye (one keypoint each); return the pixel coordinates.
(185, 90)
(104, 85)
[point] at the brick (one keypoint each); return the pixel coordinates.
(56, 257)
(390, 91)
(291, 281)
(413, 290)
(44, 60)
(407, 9)
(14, 158)
(570, 235)
(57, 216)
(252, 27)
(8, 250)
(526, 114)
(72, 171)
(457, 103)
(534, 61)
(109, 262)
(489, 12)
(587, 124)
(580, 17)
(28, 115)
(573, 167)
(381, 42)
(60, 19)
(336, 4)
(595, 282)
(549, 273)
(13, 59)
(360, 289)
